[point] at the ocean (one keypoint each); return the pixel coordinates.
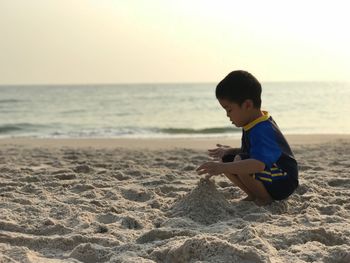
(164, 110)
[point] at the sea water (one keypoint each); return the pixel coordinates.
(164, 110)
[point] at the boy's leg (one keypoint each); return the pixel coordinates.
(237, 181)
(256, 187)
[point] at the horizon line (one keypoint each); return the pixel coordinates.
(164, 83)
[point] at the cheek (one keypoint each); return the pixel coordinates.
(232, 115)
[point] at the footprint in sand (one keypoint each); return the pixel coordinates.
(81, 188)
(120, 176)
(131, 223)
(66, 176)
(302, 189)
(136, 194)
(329, 209)
(340, 182)
(83, 169)
(108, 218)
(321, 235)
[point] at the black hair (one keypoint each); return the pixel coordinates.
(239, 86)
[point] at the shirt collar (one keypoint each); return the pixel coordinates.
(250, 125)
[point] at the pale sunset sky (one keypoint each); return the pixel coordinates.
(137, 41)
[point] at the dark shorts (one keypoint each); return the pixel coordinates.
(278, 183)
(282, 188)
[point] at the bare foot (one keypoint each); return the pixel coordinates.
(262, 202)
(248, 198)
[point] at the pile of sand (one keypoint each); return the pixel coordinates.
(204, 204)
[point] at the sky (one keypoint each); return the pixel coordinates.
(152, 41)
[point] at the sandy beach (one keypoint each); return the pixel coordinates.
(140, 200)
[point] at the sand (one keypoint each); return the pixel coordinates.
(107, 201)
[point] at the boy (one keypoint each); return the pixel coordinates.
(265, 167)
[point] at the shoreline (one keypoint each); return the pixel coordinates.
(161, 143)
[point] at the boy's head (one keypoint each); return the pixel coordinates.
(239, 93)
(239, 86)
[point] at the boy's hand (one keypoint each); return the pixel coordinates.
(211, 168)
(217, 153)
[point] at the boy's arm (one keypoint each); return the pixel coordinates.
(247, 166)
(222, 150)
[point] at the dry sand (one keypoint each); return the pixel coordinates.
(87, 201)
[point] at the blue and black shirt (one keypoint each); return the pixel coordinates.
(262, 140)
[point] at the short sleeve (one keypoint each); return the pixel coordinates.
(263, 144)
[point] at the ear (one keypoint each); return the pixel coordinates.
(248, 104)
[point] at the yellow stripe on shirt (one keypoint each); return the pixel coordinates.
(279, 174)
(265, 179)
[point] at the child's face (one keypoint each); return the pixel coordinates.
(238, 115)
